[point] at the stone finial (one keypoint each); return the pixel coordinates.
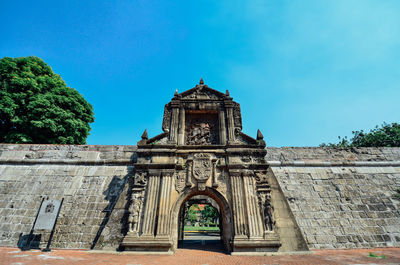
(201, 81)
(227, 93)
(259, 135)
(176, 92)
(144, 135)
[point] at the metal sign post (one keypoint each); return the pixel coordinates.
(52, 230)
(47, 218)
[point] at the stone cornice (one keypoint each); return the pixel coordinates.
(299, 163)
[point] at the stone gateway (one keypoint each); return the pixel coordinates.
(134, 198)
(203, 151)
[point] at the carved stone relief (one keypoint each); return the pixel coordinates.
(246, 159)
(222, 181)
(261, 178)
(201, 129)
(237, 117)
(199, 134)
(267, 211)
(140, 179)
(134, 211)
(264, 199)
(166, 119)
(200, 94)
(180, 181)
(136, 201)
(202, 169)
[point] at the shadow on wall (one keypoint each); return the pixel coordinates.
(30, 241)
(112, 195)
(117, 213)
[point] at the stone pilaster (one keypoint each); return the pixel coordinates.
(240, 220)
(252, 208)
(213, 174)
(189, 172)
(173, 135)
(149, 217)
(222, 126)
(163, 227)
(181, 133)
(231, 124)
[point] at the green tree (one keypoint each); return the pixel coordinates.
(192, 214)
(387, 135)
(209, 214)
(36, 106)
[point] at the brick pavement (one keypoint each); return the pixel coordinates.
(192, 256)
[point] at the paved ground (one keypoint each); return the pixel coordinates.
(195, 256)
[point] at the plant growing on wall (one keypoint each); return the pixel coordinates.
(36, 106)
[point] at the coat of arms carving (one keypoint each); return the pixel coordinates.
(202, 169)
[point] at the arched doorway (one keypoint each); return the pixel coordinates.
(224, 222)
(199, 225)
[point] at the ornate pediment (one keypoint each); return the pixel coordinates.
(202, 116)
(201, 92)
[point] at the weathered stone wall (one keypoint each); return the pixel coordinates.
(91, 180)
(325, 154)
(341, 199)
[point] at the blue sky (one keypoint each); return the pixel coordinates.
(303, 71)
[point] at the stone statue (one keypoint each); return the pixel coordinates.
(268, 214)
(134, 211)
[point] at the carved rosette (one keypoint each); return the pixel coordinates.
(140, 179)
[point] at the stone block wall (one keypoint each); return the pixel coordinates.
(341, 198)
(91, 179)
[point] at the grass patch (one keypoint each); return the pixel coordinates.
(372, 255)
(201, 228)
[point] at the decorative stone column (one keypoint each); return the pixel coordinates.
(189, 167)
(181, 134)
(253, 214)
(231, 124)
(149, 218)
(163, 226)
(173, 134)
(214, 172)
(240, 220)
(222, 126)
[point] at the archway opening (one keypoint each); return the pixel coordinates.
(200, 224)
(213, 227)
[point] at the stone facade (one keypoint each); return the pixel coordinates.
(202, 151)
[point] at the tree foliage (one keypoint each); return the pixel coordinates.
(36, 106)
(387, 135)
(205, 216)
(209, 214)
